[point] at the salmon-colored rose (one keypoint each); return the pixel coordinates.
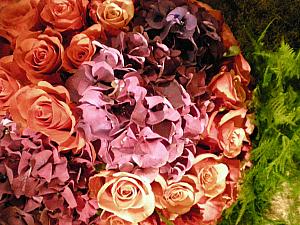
(112, 13)
(8, 87)
(107, 218)
(176, 197)
(211, 174)
(46, 109)
(242, 68)
(230, 131)
(126, 195)
(17, 16)
(65, 15)
(40, 55)
(228, 87)
(14, 71)
(81, 48)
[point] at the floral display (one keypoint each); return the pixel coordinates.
(120, 112)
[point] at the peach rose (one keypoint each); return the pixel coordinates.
(8, 87)
(40, 55)
(65, 15)
(46, 109)
(230, 131)
(211, 174)
(228, 87)
(112, 13)
(176, 197)
(126, 195)
(81, 48)
(107, 218)
(242, 68)
(17, 16)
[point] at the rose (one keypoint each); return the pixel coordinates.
(126, 195)
(228, 87)
(16, 17)
(230, 131)
(79, 50)
(211, 173)
(112, 13)
(46, 109)
(176, 197)
(8, 86)
(107, 218)
(40, 55)
(65, 15)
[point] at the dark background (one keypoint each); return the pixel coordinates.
(252, 17)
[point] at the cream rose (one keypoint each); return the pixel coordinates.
(211, 174)
(126, 195)
(176, 197)
(112, 13)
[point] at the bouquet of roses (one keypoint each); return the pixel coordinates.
(120, 112)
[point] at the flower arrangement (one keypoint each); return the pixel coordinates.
(120, 112)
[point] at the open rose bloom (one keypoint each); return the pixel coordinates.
(120, 112)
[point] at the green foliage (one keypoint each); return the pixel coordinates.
(276, 153)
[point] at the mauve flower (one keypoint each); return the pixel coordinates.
(49, 185)
(96, 122)
(112, 56)
(181, 22)
(90, 74)
(145, 148)
(162, 63)
(156, 16)
(134, 47)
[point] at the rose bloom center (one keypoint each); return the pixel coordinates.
(208, 177)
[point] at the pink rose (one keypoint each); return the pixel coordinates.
(230, 132)
(228, 87)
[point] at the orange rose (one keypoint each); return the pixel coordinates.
(65, 14)
(228, 86)
(8, 87)
(45, 109)
(17, 16)
(112, 13)
(211, 174)
(40, 55)
(81, 48)
(230, 131)
(126, 195)
(176, 197)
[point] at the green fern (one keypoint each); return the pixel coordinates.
(276, 153)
